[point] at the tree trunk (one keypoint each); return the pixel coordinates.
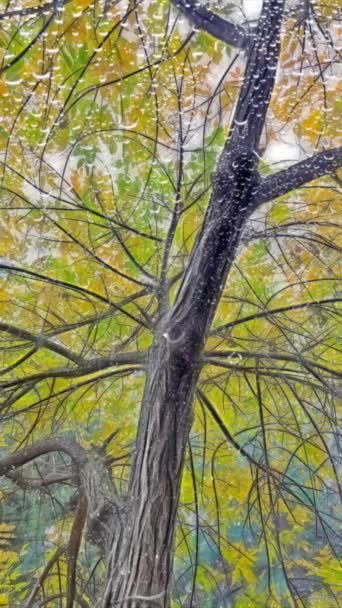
(140, 564)
(141, 561)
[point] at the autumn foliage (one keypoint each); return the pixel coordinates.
(113, 119)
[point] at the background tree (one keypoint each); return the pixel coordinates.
(169, 304)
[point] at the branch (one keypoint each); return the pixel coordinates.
(280, 478)
(74, 547)
(40, 341)
(38, 482)
(210, 356)
(214, 25)
(97, 496)
(284, 373)
(272, 311)
(43, 576)
(39, 448)
(30, 44)
(283, 182)
(30, 11)
(89, 367)
(208, 404)
(30, 274)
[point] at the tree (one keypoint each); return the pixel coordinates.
(155, 264)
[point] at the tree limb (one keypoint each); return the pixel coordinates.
(214, 25)
(39, 448)
(31, 11)
(280, 478)
(89, 367)
(9, 464)
(38, 482)
(74, 547)
(43, 576)
(281, 183)
(40, 341)
(208, 356)
(272, 311)
(30, 274)
(97, 501)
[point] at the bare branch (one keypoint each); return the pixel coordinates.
(39, 448)
(272, 311)
(97, 499)
(38, 482)
(89, 367)
(31, 11)
(30, 44)
(284, 373)
(214, 25)
(43, 576)
(281, 183)
(40, 341)
(209, 406)
(281, 478)
(74, 547)
(30, 274)
(270, 356)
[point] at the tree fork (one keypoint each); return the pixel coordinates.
(140, 562)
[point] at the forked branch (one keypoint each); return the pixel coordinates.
(97, 500)
(39, 341)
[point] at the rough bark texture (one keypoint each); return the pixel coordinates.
(140, 564)
(141, 560)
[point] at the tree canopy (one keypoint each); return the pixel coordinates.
(125, 127)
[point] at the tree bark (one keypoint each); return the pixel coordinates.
(140, 564)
